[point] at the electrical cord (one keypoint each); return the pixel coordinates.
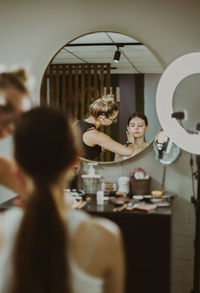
(193, 174)
(181, 123)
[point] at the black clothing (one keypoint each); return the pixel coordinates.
(90, 153)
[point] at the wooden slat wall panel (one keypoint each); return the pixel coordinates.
(70, 97)
(102, 81)
(43, 98)
(57, 95)
(92, 70)
(73, 87)
(108, 79)
(107, 129)
(51, 88)
(95, 82)
(64, 95)
(76, 92)
(89, 81)
(82, 92)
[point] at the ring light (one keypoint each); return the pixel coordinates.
(179, 69)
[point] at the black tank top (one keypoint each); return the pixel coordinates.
(90, 153)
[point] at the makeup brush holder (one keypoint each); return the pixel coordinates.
(140, 186)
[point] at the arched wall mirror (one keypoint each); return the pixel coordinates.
(83, 70)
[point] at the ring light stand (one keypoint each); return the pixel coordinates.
(179, 69)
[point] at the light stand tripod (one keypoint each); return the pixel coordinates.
(196, 202)
(182, 67)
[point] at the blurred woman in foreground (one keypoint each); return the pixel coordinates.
(48, 247)
(14, 100)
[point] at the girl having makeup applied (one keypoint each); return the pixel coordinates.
(137, 125)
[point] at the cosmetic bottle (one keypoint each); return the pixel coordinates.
(91, 180)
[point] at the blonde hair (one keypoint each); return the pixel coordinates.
(105, 105)
(15, 79)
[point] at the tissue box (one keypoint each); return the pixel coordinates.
(140, 186)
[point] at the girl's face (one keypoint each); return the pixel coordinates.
(137, 127)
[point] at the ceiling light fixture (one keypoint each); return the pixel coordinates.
(117, 56)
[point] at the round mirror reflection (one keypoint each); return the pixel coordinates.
(84, 70)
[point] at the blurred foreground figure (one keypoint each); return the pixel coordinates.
(14, 99)
(47, 246)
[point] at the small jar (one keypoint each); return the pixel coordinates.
(108, 186)
(124, 184)
(100, 197)
(90, 185)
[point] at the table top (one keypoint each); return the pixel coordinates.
(108, 208)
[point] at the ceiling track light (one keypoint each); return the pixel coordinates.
(117, 56)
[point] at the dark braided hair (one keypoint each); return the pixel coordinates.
(140, 115)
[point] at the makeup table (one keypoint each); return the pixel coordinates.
(146, 238)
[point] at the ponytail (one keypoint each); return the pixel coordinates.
(40, 252)
(45, 149)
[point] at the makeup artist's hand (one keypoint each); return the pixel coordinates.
(161, 137)
(130, 137)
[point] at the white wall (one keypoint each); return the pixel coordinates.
(32, 32)
(150, 87)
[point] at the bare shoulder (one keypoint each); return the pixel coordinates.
(90, 135)
(108, 230)
(110, 234)
(105, 237)
(94, 137)
(106, 226)
(93, 132)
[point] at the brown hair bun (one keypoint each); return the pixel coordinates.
(21, 75)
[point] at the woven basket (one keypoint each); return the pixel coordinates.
(140, 186)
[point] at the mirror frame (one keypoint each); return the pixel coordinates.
(119, 160)
(112, 31)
